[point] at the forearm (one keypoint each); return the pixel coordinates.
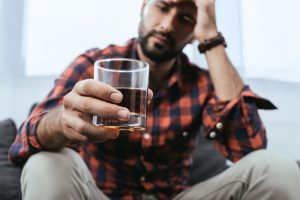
(49, 130)
(227, 82)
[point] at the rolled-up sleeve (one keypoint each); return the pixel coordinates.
(235, 125)
(26, 142)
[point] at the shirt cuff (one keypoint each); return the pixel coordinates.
(222, 109)
(33, 140)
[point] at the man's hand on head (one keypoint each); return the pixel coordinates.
(206, 26)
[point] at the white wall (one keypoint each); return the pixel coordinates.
(19, 92)
(282, 124)
(4, 73)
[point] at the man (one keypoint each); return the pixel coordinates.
(153, 164)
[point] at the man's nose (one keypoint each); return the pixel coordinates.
(168, 23)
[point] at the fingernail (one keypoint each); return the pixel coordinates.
(116, 97)
(124, 114)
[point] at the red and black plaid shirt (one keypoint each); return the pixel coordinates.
(156, 161)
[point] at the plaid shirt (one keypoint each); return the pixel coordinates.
(156, 161)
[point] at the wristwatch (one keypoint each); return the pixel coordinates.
(212, 42)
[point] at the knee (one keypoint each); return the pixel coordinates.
(48, 165)
(277, 171)
(50, 172)
(273, 163)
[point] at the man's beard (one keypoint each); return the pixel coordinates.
(158, 53)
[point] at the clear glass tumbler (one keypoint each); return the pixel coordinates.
(130, 77)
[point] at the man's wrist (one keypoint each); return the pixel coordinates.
(207, 35)
(50, 132)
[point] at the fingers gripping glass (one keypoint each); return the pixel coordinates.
(130, 77)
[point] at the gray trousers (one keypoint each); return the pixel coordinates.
(261, 175)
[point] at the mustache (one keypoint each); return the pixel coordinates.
(167, 36)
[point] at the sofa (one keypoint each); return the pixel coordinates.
(9, 174)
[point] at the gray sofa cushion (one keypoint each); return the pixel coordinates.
(9, 174)
(207, 162)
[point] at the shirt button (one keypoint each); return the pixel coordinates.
(143, 178)
(184, 134)
(147, 136)
(212, 135)
(219, 125)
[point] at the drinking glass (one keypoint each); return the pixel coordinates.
(130, 77)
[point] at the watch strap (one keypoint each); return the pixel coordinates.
(212, 42)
